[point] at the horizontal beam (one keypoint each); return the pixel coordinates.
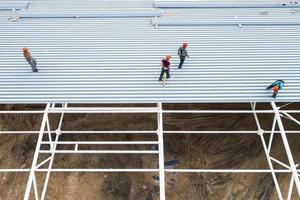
(98, 170)
(100, 142)
(105, 110)
(100, 151)
(227, 170)
(225, 132)
(147, 132)
(137, 110)
(22, 112)
(14, 170)
(156, 170)
(218, 111)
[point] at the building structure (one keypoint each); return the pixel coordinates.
(109, 52)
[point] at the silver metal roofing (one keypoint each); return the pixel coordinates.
(117, 60)
(13, 5)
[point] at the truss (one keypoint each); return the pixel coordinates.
(51, 142)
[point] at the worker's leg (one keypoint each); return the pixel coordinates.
(181, 62)
(161, 74)
(274, 95)
(168, 74)
(270, 86)
(33, 65)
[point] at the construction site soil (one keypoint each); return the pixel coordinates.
(203, 151)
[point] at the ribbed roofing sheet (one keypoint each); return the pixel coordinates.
(13, 5)
(118, 61)
(104, 13)
(225, 4)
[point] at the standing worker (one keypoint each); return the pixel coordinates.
(30, 59)
(165, 67)
(276, 86)
(182, 53)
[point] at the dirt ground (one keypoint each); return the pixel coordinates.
(207, 151)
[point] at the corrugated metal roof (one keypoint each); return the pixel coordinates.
(13, 5)
(225, 4)
(117, 60)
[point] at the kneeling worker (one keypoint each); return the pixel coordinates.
(276, 86)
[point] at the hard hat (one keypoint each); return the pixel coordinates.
(185, 44)
(168, 57)
(25, 49)
(275, 88)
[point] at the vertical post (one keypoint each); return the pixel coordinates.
(162, 192)
(260, 133)
(36, 155)
(287, 147)
(290, 188)
(272, 135)
(53, 148)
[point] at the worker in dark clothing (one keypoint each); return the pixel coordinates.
(30, 59)
(182, 53)
(165, 67)
(276, 86)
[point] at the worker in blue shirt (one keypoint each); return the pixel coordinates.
(182, 53)
(276, 86)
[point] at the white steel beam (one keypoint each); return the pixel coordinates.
(135, 110)
(218, 111)
(36, 193)
(272, 134)
(161, 158)
(21, 132)
(98, 170)
(224, 132)
(290, 188)
(260, 133)
(101, 151)
(14, 170)
(228, 170)
(103, 142)
(53, 148)
(287, 148)
(104, 110)
(280, 163)
(31, 178)
(285, 105)
(49, 133)
(153, 170)
(291, 117)
(109, 132)
(146, 132)
(22, 111)
(43, 162)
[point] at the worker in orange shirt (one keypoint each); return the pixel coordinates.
(30, 59)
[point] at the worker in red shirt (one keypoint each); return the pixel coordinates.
(165, 67)
(30, 59)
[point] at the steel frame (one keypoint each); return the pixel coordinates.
(46, 132)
